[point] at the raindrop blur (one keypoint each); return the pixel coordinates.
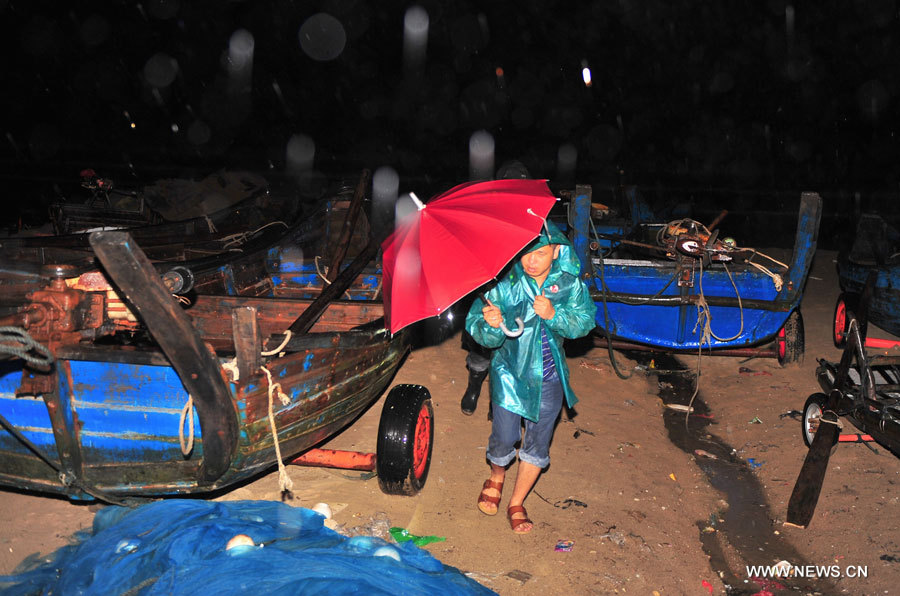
(385, 188)
(485, 28)
(566, 159)
(481, 156)
(160, 70)
(415, 38)
(405, 207)
(789, 21)
(240, 48)
(300, 154)
(240, 60)
(322, 37)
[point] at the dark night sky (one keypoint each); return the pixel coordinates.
(749, 95)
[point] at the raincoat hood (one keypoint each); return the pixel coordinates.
(566, 261)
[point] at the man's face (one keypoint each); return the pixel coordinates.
(537, 263)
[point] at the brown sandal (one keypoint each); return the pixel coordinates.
(515, 523)
(485, 499)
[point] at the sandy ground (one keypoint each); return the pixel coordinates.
(642, 514)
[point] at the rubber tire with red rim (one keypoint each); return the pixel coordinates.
(844, 312)
(790, 341)
(814, 406)
(405, 440)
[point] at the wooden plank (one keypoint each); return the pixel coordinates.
(171, 327)
(247, 342)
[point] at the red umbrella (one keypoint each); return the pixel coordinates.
(457, 242)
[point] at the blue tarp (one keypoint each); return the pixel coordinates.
(178, 547)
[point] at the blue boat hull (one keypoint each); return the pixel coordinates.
(674, 302)
(679, 326)
(120, 423)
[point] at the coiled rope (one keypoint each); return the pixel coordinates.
(15, 341)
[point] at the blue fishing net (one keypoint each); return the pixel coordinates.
(179, 547)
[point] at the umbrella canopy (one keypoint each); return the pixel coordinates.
(458, 241)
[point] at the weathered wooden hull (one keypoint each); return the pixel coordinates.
(122, 408)
(129, 347)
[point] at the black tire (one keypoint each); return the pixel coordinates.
(844, 311)
(790, 342)
(812, 412)
(405, 439)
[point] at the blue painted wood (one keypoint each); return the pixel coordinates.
(675, 325)
(581, 225)
(884, 305)
(125, 416)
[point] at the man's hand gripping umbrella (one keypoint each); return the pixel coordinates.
(494, 317)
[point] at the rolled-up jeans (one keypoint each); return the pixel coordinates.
(506, 430)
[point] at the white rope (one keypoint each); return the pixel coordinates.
(378, 287)
(187, 412)
(319, 271)
(704, 316)
(284, 481)
(287, 338)
(241, 237)
(231, 367)
(765, 256)
(776, 279)
(837, 423)
(325, 279)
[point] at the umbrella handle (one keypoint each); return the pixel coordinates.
(515, 333)
(503, 326)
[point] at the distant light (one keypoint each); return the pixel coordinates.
(133, 125)
(499, 72)
(586, 75)
(174, 128)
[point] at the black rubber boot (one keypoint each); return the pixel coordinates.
(470, 397)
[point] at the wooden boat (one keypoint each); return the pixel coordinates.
(650, 285)
(98, 407)
(876, 249)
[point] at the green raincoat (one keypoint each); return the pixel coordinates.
(516, 365)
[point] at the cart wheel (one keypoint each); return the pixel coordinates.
(405, 438)
(812, 413)
(844, 312)
(789, 343)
